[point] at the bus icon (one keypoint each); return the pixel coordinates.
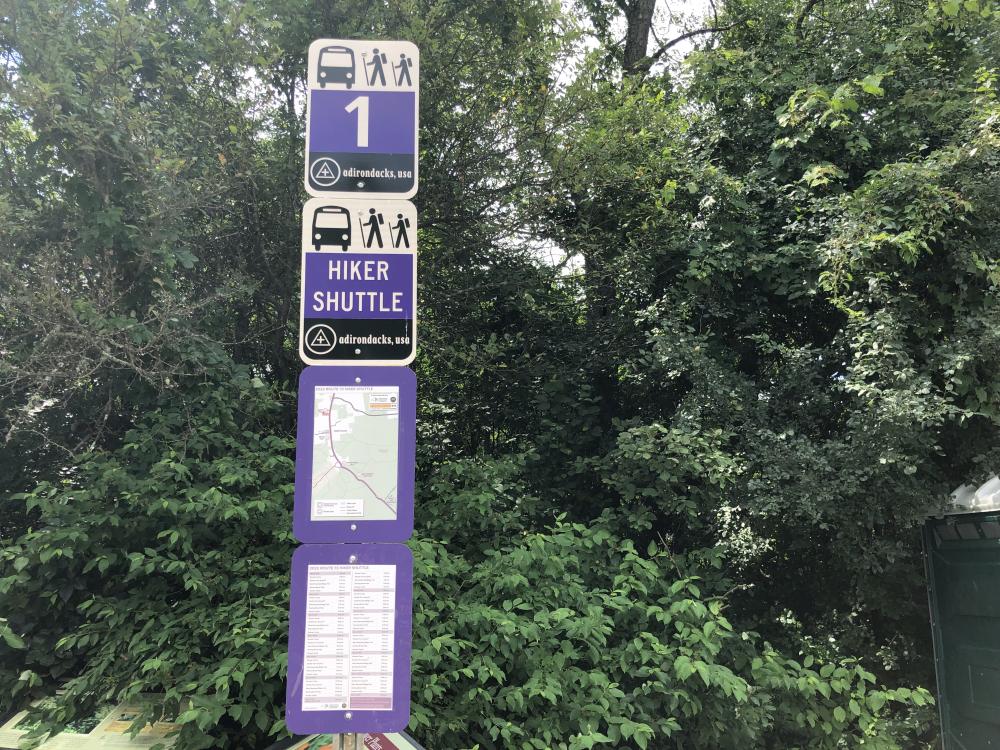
(336, 65)
(331, 225)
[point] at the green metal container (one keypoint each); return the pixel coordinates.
(963, 568)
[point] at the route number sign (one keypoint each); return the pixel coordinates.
(359, 282)
(361, 121)
(355, 454)
(349, 638)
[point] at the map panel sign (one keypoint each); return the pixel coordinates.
(361, 121)
(349, 638)
(355, 454)
(359, 282)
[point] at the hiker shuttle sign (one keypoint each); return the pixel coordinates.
(361, 125)
(359, 282)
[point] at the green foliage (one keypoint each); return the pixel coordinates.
(162, 567)
(569, 638)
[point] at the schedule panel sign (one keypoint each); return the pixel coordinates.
(361, 121)
(355, 454)
(349, 638)
(359, 282)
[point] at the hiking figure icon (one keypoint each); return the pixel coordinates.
(375, 67)
(398, 233)
(374, 225)
(402, 71)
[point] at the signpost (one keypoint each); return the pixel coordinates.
(361, 741)
(355, 452)
(359, 282)
(352, 583)
(349, 638)
(361, 127)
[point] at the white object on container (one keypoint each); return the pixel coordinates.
(968, 499)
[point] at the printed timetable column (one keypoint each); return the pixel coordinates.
(372, 634)
(326, 662)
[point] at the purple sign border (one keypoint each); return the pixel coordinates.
(318, 532)
(395, 720)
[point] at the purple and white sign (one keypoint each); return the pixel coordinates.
(359, 282)
(355, 454)
(358, 308)
(361, 122)
(350, 624)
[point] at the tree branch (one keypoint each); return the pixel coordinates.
(810, 4)
(647, 62)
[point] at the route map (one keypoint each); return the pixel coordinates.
(355, 453)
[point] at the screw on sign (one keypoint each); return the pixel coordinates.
(361, 126)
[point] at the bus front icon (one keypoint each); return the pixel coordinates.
(336, 65)
(331, 225)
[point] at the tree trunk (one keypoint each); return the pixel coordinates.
(639, 17)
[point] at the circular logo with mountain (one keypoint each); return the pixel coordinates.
(325, 171)
(320, 339)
